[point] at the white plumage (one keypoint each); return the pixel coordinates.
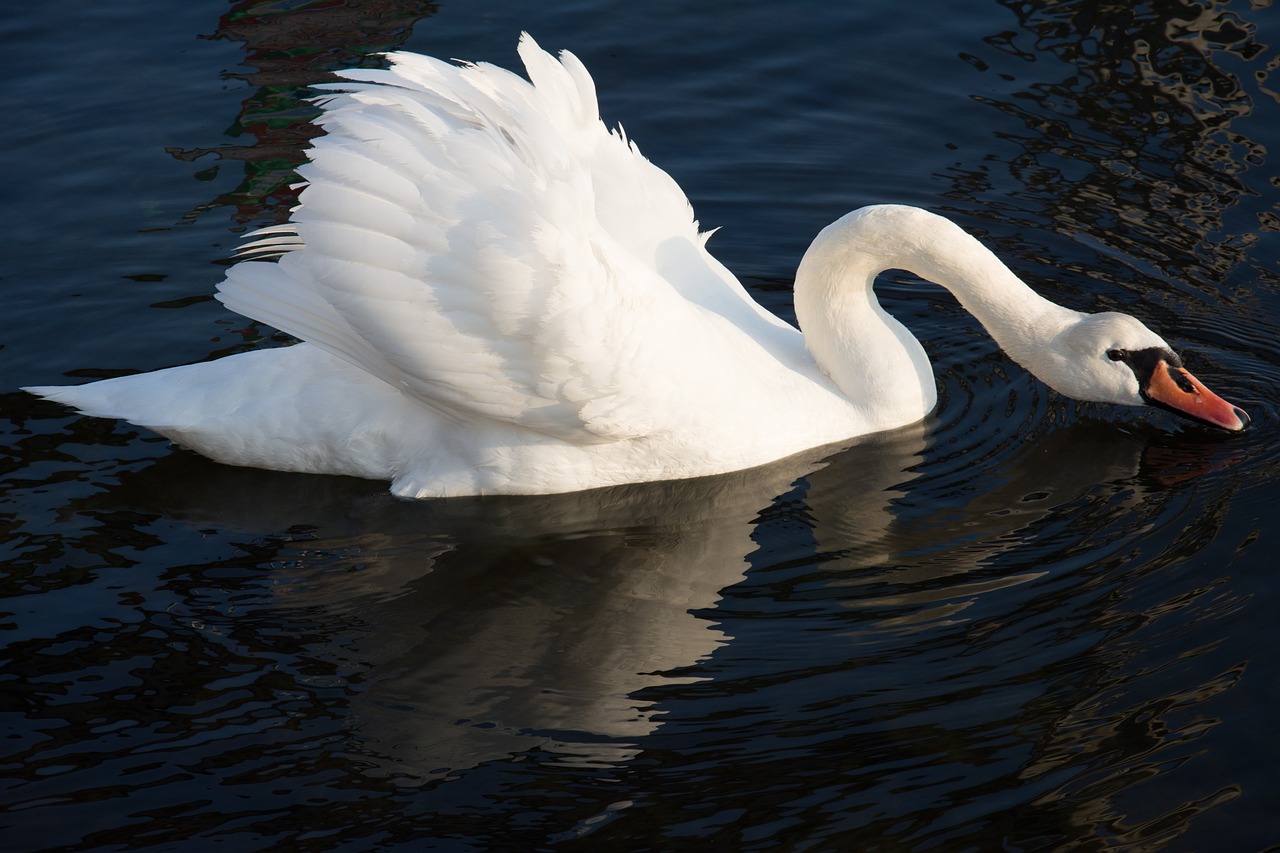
(498, 294)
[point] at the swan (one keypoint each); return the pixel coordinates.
(495, 293)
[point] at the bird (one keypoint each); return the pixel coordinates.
(495, 293)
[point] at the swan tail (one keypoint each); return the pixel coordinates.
(293, 408)
(130, 398)
(174, 403)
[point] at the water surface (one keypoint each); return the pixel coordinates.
(1024, 624)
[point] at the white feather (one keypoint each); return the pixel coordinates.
(498, 294)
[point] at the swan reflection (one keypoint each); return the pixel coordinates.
(481, 628)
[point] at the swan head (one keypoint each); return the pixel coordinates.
(1114, 358)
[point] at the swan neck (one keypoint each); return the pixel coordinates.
(876, 361)
(848, 255)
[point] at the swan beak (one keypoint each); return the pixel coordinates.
(1175, 389)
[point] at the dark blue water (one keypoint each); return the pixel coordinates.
(1026, 624)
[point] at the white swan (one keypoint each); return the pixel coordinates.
(497, 294)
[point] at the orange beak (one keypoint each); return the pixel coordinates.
(1175, 389)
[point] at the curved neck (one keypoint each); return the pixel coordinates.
(873, 358)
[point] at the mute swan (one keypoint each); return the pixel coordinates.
(496, 294)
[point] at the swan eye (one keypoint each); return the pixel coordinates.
(1116, 354)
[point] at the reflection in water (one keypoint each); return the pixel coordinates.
(521, 621)
(1012, 625)
(1139, 132)
(1141, 149)
(923, 634)
(969, 651)
(465, 632)
(290, 47)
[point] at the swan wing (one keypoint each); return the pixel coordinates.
(487, 246)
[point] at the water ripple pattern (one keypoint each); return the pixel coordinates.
(1025, 623)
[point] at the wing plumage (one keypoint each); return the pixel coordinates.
(487, 246)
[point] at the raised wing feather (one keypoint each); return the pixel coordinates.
(488, 247)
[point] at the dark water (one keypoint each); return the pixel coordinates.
(1026, 624)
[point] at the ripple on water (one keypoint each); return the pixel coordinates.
(1025, 622)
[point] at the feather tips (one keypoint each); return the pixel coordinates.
(472, 239)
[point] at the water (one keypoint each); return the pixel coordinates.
(1025, 624)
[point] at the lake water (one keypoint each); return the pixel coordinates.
(1025, 624)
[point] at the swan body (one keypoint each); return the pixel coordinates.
(496, 294)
